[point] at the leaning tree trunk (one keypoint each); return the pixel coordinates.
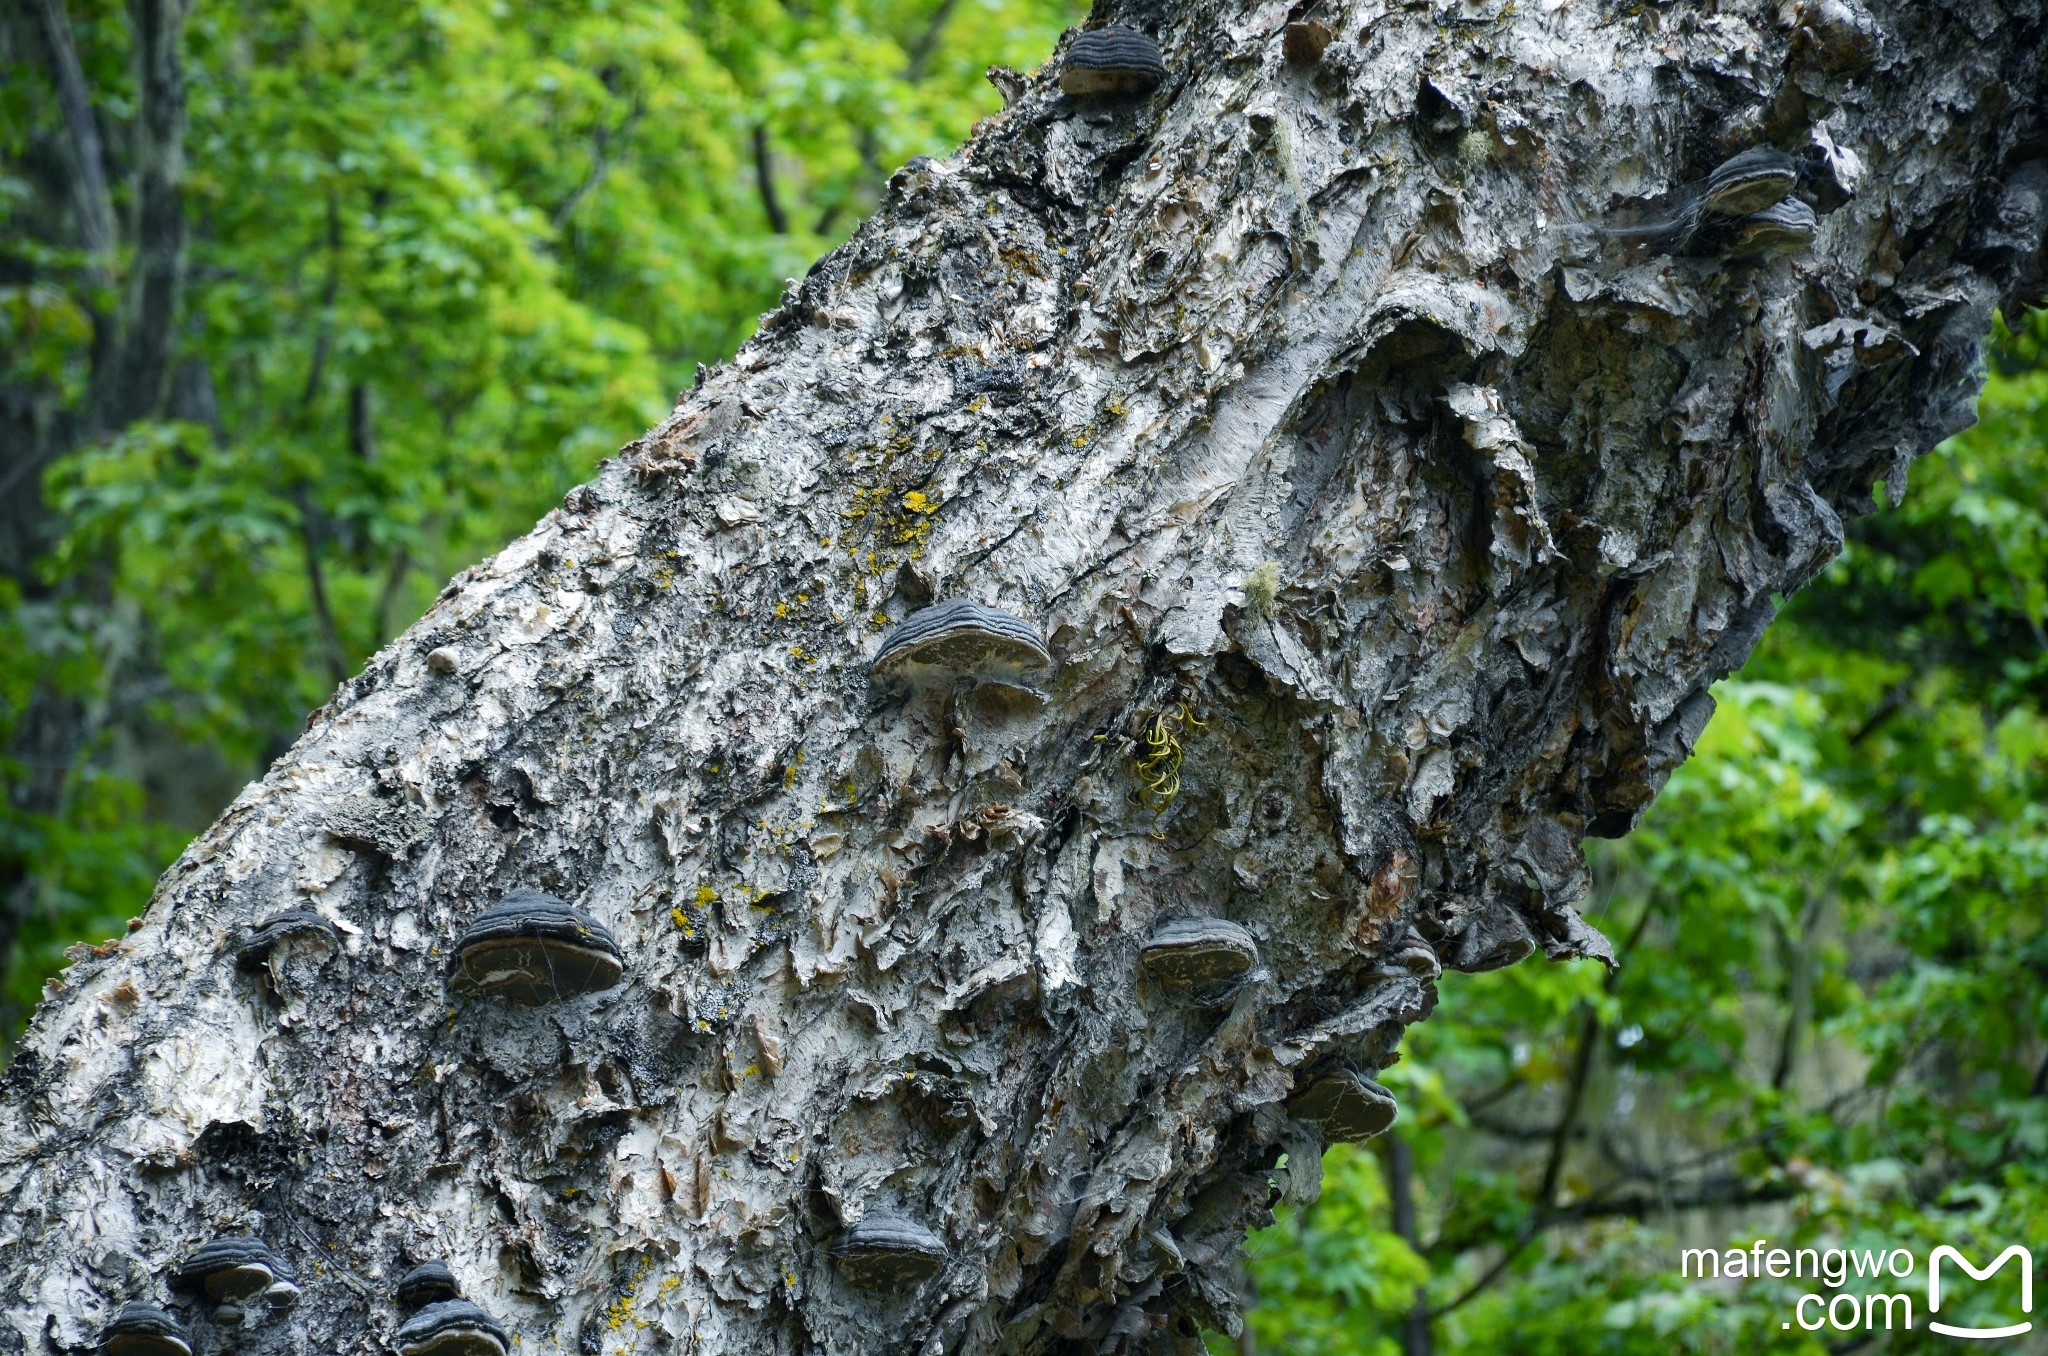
(1379, 428)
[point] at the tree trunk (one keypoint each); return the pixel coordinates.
(133, 386)
(1370, 416)
(1416, 1336)
(133, 344)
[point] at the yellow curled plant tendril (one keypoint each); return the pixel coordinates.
(1157, 764)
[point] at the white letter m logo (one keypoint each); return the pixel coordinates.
(2026, 1289)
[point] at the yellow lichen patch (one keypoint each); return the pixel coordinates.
(879, 515)
(665, 575)
(1021, 260)
(620, 1311)
(865, 500)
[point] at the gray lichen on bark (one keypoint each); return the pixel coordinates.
(1294, 404)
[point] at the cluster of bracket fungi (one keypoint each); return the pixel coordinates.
(235, 1272)
(238, 1271)
(960, 643)
(1754, 205)
(440, 1322)
(533, 949)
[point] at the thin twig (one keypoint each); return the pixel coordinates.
(601, 139)
(927, 42)
(94, 203)
(764, 175)
(324, 335)
(316, 581)
(387, 596)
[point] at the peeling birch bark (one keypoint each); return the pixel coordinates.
(1307, 408)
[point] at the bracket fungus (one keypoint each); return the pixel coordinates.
(1750, 181)
(451, 1327)
(236, 1270)
(1785, 227)
(1196, 953)
(257, 944)
(1347, 1107)
(958, 640)
(534, 949)
(427, 1283)
(1414, 956)
(1111, 61)
(887, 1251)
(141, 1329)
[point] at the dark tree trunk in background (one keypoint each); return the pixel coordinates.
(134, 385)
(1295, 395)
(1416, 1336)
(132, 349)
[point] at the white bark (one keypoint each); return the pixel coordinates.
(1291, 394)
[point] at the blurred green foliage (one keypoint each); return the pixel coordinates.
(443, 258)
(1831, 1027)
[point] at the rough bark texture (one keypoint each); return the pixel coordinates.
(1295, 396)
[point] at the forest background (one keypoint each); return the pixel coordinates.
(436, 260)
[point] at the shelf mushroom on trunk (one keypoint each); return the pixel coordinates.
(533, 948)
(142, 1329)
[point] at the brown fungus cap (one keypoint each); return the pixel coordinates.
(234, 1269)
(141, 1329)
(1347, 1107)
(257, 943)
(1411, 956)
(1782, 228)
(453, 1327)
(427, 1283)
(533, 948)
(886, 1251)
(961, 640)
(1750, 181)
(1111, 61)
(1191, 953)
